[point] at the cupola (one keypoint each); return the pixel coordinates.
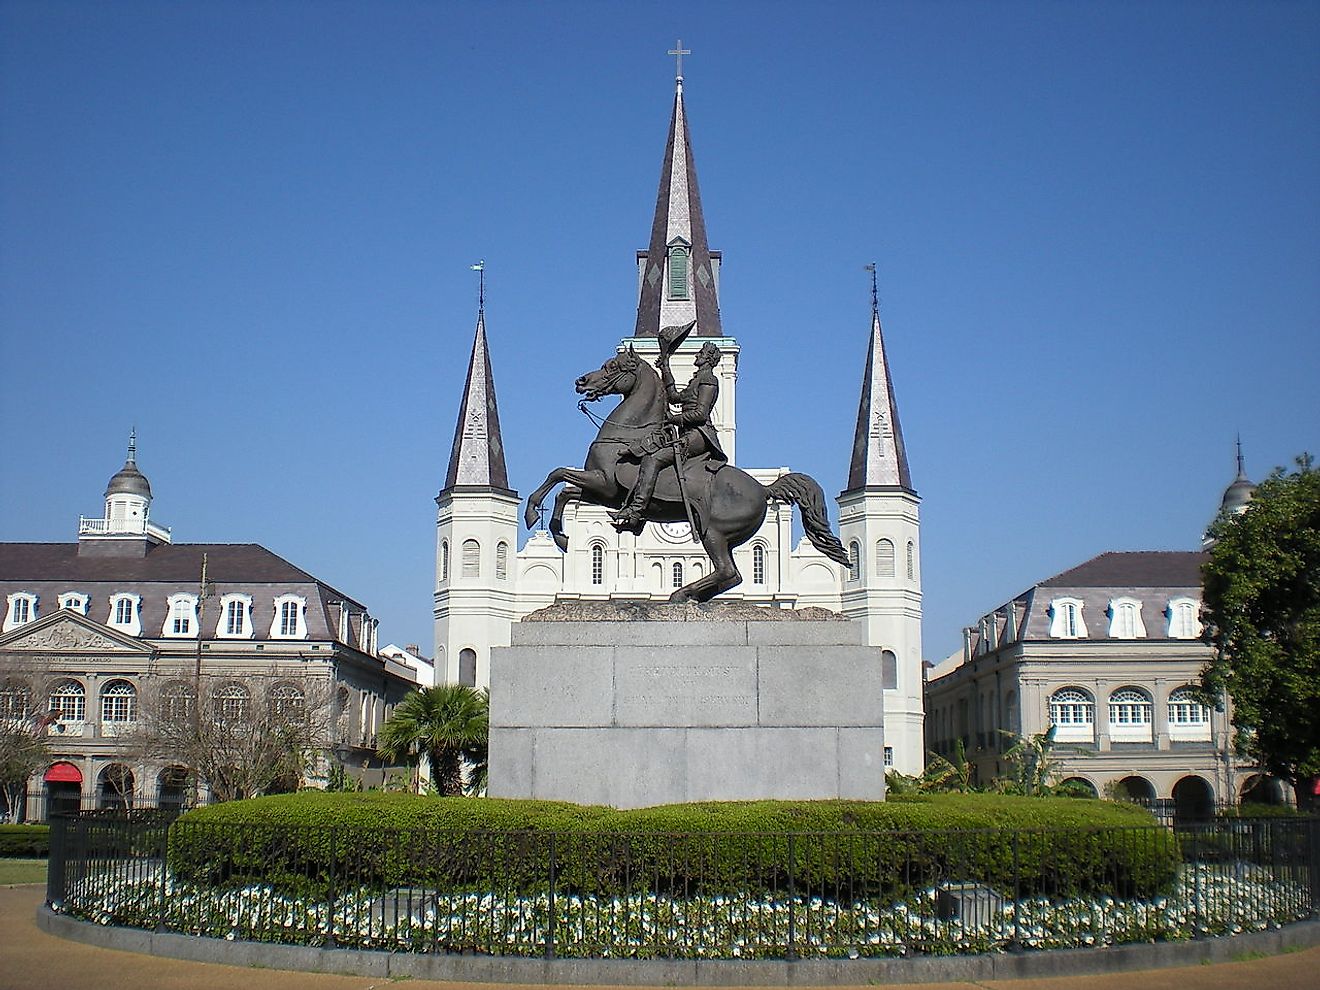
(126, 522)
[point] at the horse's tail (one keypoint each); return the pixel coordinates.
(801, 490)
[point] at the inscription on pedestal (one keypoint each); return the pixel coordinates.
(706, 687)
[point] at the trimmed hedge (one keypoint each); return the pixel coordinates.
(24, 841)
(311, 843)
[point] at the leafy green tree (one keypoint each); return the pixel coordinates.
(447, 724)
(955, 773)
(1032, 764)
(1262, 615)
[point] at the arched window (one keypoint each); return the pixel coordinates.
(1066, 620)
(758, 564)
(678, 272)
(290, 618)
(124, 613)
(235, 617)
(232, 704)
(1184, 709)
(884, 559)
(911, 561)
(287, 701)
(1184, 620)
(597, 564)
(1188, 718)
(68, 702)
(854, 561)
(471, 559)
(75, 601)
(22, 610)
(1130, 714)
(501, 561)
(118, 702)
(1125, 619)
(888, 670)
(444, 560)
(114, 787)
(676, 575)
(1073, 712)
(181, 616)
(467, 667)
(177, 701)
(15, 701)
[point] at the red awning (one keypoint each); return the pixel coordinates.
(63, 773)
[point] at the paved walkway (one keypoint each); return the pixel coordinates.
(32, 960)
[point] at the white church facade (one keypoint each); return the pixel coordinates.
(485, 582)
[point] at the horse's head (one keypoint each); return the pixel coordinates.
(617, 376)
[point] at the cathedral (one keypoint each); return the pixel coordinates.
(484, 583)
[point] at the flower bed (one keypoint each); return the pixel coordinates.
(1206, 900)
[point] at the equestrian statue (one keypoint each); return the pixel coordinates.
(651, 464)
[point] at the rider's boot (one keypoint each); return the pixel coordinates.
(631, 515)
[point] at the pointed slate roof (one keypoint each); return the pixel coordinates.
(879, 459)
(477, 457)
(678, 217)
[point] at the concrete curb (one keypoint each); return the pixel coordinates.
(684, 972)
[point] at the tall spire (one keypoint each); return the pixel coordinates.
(477, 458)
(678, 276)
(879, 459)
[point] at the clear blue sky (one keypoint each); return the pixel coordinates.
(245, 228)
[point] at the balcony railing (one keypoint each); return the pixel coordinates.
(122, 527)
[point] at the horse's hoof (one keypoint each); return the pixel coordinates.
(681, 598)
(530, 515)
(561, 541)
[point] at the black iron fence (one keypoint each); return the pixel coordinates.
(684, 895)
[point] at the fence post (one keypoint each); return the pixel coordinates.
(164, 874)
(330, 896)
(790, 951)
(59, 851)
(1017, 894)
(550, 926)
(1313, 857)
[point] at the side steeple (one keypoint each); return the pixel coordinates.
(477, 457)
(879, 459)
(679, 274)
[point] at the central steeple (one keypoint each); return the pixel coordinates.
(679, 274)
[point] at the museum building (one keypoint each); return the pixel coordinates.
(484, 583)
(92, 629)
(1108, 653)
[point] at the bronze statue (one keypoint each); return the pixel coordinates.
(685, 434)
(656, 466)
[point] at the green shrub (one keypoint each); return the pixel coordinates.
(313, 842)
(24, 841)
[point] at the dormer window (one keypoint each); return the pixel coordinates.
(1125, 619)
(75, 601)
(1066, 620)
(22, 610)
(1184, 618)
(235, 617)
(181, 617)
(290, 618)
(678, 272)
(125, 613)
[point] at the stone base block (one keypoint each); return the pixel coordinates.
(640, 713)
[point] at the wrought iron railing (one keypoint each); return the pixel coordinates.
(684, 895)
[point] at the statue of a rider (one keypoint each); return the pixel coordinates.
(687, 432)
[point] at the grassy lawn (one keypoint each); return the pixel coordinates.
(22, 871)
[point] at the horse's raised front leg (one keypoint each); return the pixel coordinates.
(723, 576)
(593, 484)
(566, 494)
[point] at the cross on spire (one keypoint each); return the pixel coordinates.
(875, 297)
(678, 51)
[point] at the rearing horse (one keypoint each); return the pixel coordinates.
(728, 504)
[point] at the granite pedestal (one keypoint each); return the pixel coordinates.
(668, 704)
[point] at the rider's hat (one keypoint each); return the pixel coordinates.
(671, 338)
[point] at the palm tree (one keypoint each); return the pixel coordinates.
(444, 723)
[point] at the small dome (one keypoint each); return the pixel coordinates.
(128, 480)
(1237, 495)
